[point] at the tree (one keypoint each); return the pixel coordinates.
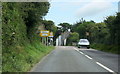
(99, 33)
(82, 28)
(49, 25)
(74, 37)
(94, 32)
(112, 30)
(117, 28)
(65, 26)
(32, 14)
(20, 21)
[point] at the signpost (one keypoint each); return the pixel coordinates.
(44, 33)
(46, 36)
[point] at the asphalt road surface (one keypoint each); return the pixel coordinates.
(73, 59)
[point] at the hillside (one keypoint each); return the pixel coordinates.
(21, 45)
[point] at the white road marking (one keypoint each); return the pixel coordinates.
(105, 67)
(76, 49)
(96, 62)
(81, 52)
(89, 49)
(88, 57)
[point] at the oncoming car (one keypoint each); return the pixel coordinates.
(84, 43)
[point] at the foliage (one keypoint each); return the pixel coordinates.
(20, 20)
(32, 14)
(49, 25)
(99, 33)
(94, 32)
(23, 58)
(73, 37)
(117, 27)
(21, 47)
(65, 26)
(105, 33)
(110, 24)
(12, 25)
(82, 28)
(106, 48)
(114, 28)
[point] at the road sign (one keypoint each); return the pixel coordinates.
(51, 34)
(44, 33)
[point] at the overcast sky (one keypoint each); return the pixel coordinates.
(71, 11)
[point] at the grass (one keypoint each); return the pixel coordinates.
(22, 59)
(106, 48)
(20, 51)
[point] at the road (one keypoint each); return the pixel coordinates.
(73, 59)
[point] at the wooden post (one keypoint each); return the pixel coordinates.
(47, 41)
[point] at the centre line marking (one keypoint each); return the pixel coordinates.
(88, 57)
(105, 67)
(81, 52)
(76, 49)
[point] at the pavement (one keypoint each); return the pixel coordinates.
(73, 59)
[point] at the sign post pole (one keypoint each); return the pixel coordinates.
(44, 40)
(44, 34)
(47, 41)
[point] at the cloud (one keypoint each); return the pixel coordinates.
(83, 0)
(93, 8)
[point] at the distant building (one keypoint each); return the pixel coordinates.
(58, 41)
(119, 6)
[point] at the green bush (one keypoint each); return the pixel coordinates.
(21, 49)
(106, 48)
(24, 58)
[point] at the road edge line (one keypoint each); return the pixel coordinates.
(88, 57)
(105, 67)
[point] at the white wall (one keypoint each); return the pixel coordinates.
(58, 41)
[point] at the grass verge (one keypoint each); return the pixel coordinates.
(23, 58)
(106, 48)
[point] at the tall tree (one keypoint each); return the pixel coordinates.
(110, 23)
(117, 28)
(65, 26)
(49, 25)
(73, 38)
